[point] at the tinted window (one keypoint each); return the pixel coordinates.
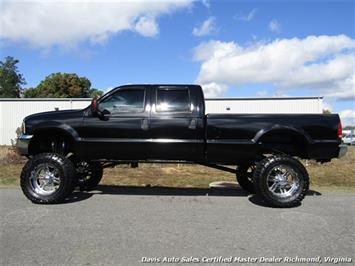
(123, 101)
(170, 100)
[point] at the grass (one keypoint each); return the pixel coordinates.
(10, 166)
(338, 175)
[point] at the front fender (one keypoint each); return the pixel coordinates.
(55, 126)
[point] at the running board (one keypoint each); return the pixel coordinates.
(134, 164)
(219, 167)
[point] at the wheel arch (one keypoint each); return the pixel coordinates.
(286, 139)
(45, 132)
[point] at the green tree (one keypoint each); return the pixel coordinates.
(11, 80)
(95, 93)
(62, 85)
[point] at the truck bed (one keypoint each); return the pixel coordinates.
(231, 136)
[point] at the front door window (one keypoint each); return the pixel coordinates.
(124, 101)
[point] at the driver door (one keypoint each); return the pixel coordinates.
(122, 131)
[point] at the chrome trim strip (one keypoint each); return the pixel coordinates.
(230, 141)
(317, 141)
(22, 144)
(25, 137)
(129, 140)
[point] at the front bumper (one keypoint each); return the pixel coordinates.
(342, 150)
(22, 144)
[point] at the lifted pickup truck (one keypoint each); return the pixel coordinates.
(167, 123)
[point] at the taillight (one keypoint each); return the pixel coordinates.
(340, 130)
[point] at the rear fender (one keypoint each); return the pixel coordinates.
(284, 129)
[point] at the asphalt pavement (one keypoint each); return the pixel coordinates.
(129, 226)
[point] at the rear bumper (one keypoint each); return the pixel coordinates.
(342, 150)
(22, 144)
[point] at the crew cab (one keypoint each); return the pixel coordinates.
(168, 123)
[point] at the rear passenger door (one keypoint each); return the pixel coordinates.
(172, 124)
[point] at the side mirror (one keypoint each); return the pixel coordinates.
(94, 106)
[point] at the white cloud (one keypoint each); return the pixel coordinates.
(214, 49)
(61, 22)
(323, 63)
(248, 17)
(347, 117)
(345, 88)
(274, 26)
(206, 3)
(147, 27)
(213, 89)
(206, 28)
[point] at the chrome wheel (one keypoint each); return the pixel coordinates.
(45, 179)
(88, 174)
(283, 181)
(84, 171)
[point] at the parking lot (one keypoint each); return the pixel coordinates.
(126, 225)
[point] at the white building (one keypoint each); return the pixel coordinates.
(12, 111)
(283, 105)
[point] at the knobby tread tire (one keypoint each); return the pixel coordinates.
(243, 180)
(67, 174)
(260, 181)
(95, 178)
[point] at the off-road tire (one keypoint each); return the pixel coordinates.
(92, 179)
(66, 171)
(245, 178)
(260, 181)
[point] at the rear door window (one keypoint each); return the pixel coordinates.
(173, 100)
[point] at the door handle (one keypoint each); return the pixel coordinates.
(145, 124)
(193, 124)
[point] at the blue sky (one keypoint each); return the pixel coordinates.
(191, 41)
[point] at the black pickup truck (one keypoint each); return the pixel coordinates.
(167, 123)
